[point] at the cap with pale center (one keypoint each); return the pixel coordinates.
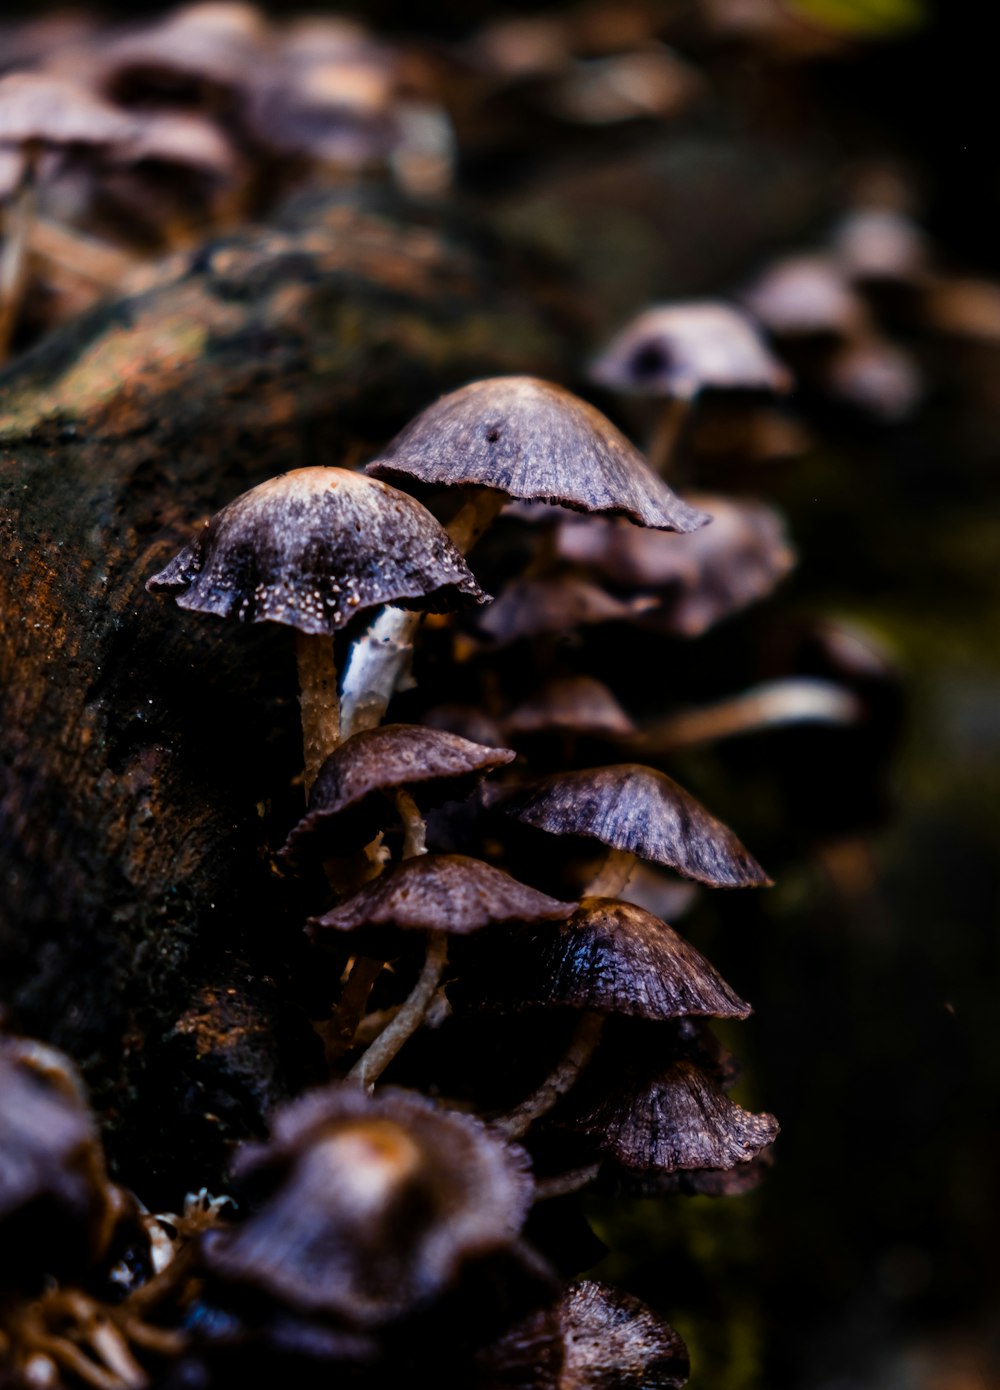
(314, 547)
(375, 1204)
(680, 350)
(535, 441)
(643, 812)
(37, 108)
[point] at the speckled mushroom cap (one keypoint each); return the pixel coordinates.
(442, 892)
(614, 1342)
(574, 704)
(680, 350)
(48, 110)
(314, 547)
(678, 1119)
(535, 441)
(644, 812)
(347, 805)
(53, 1187)
(614, 958)
(376, 1204)
(701, 579)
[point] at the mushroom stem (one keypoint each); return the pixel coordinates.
(769, 705)
(612, 876)
(14, 255)
(564, 1183)
(414, 828)
(339, 1034)
(581, 1048)
(79, 255)
(670, 420)
(317, 700)
(409, 1018)
(378, 660)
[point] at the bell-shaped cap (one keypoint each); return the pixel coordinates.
(536, 607)
(613, 958)
(806, 297)
(314, 547)
(39, 108)
(535, 441)
(199, 52)
(680, 350)
(700, 579)
(571, 704)
(611, 1339)
(442, 892)
(54, 1193)
(375, 1204)
(644, 812)
(880, 245)
(348, 803)
(677, 1119)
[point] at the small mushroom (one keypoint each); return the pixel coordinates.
(311, 549)
(574, 705)
(611, 1339)
(376, 1205)
(539, 607)
(806, 297)
(639, 811)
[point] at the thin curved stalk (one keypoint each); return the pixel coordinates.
(772, 704)
(318, 701)
(662, 446)
(409, 1018)
(612, 876)
(582, 1047)
(564, 1183)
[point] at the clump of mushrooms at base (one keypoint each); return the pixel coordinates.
(402, 840)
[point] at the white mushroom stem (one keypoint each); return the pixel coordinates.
(317, 700)
(557, 1083)
(414, 828)
(769, 705)
(378, 661)
(612, 876)
(670, 420)
(563, 1183)
(370, 1067)
(14, 255)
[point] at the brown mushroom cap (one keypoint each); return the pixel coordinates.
(680, 350)
(614, 1342)
(614, 958)
(644, 812)
(532, 440)
(39, 108)
(576, 704)
(442, 892)
(533, 607)
(381, 1201)
(314, 547)
(680, 1119)
(707, 577)
(347, 801)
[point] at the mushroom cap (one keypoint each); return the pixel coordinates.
(738, 560)
(442, 892)
(535, 441)
(613, 958)
(680, 350)
(876, 377)
(221, 45)
(183, 140)
(576, 704)
(347, 798)
(314, 547)
(880, 244)
(614, 1342)
(533, 607)
(38, 107)
(376, 1204)
(804, 297)
(644, 812)
(678, 1120)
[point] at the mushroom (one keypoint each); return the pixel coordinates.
(806, 297)
(310, 549)
(677, 351)
(571, 705)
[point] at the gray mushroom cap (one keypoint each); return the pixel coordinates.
(379, 1204)
(613, 1340)
(680, 350)
(48, 110)
(535, 441)
(314, 547)
(442, 892)
(645, 813)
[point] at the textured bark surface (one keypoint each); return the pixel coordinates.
(149, 755)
